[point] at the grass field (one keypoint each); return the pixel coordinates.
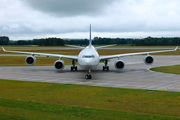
(20, 61)
(175, 69)
(34, 100)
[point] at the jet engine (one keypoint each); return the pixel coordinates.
(148, 60)
(30, 60)
(59, 64)
(119, 64)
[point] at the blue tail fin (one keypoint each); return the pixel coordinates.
(90, 41)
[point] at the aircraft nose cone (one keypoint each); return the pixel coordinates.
(88, 62)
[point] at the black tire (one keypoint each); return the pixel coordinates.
(107, 68)
(90, 76)
(86, 77)
(71, 68)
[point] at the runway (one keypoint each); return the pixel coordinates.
(135, 74)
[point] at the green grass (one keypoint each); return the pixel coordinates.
(34, 100)
(175, 69)
(20, 61)
(17, 110)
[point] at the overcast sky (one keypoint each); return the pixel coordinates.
(30, 19)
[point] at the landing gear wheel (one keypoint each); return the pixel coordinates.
(73, 67)
(106, 67)
(88, 76)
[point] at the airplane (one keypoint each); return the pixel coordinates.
(89, 58)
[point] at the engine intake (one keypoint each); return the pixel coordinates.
(119, 64)
(148, 60)
(30, 60)
(59, 64)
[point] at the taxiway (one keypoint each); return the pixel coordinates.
(135, 74)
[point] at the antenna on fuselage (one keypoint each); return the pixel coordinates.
(90, 37)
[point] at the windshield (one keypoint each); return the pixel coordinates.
(88, 56)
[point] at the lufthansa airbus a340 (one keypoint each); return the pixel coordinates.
(89, 58)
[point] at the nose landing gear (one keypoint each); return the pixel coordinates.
(88, 76)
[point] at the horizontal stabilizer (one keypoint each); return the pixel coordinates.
(75, 46)
(106, 46)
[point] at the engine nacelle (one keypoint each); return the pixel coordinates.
(148, 60)
(30, 60)
(119, 64)
(59, 64)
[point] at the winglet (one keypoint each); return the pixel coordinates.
(176, 48)
(3, 49)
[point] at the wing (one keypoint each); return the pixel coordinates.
(45, 54)
(132, 54)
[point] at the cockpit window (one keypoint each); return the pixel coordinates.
(88, 56)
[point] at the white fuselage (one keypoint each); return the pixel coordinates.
(88, 58)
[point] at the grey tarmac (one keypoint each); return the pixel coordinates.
(135, 74)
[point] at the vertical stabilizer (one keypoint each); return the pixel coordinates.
(90, 42)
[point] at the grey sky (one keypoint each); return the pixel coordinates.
(29, 19)
(64, 8)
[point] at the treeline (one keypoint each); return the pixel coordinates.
(50, 42)
(101, 41)
(106, 41)
(149, 41)
(77, 42)
(39, 42)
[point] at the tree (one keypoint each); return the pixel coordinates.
(51, 42)
(4, 40)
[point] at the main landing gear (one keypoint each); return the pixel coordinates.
(106, 67)
(74, 67)
(88, 76)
